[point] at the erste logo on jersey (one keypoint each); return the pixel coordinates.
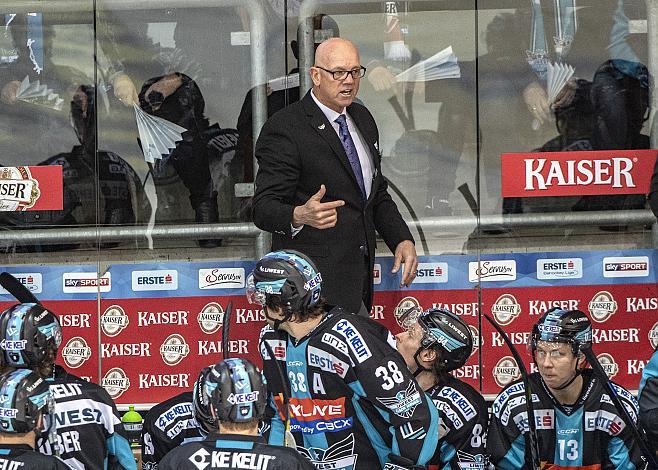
(210, 318)
(506, 371)
(404, 305)
(32, 282)
(174, 349)
(608, 363)
(427, 273)
(559, 268)
(500, 270)
(159, 279)
(76, 352)
(86, 283)
(626, 266)
(505, 309)
(602, 306)
(221, 278)
(114, 320)
(115, 382)
(326, 361)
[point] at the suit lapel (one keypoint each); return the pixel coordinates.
(324, 129)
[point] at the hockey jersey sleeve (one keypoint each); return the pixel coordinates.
(648, 398)
(155, 443)
(380, 377)
(623, 449)
(505, 442)
(120, 455)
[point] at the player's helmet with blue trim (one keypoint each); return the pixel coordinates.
(201, 401)
(236, 391)
(30, 336)
(288, 274)
(23, 395)
(563, 326)
(447, 333)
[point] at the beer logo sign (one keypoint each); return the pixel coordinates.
(115, 382)
(653, 335)
(477, 339)
(506, 371)
(505, 309)
(114, 320)
(404, 305)
(18, 190)
(174, 349)
(602, 306)
(76, 352)
(210, 318)
(609, 365)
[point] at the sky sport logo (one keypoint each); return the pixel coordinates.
(626, 266)
(32, 282)
(404, 305)
(560, 268)
(506, 371)
(86, 283)
(76, 352)
(115, 382)
(210, 318)
(505, 309)
(159, 279)
(174, 349)
(602, 306)
(609, 365)
(114, 320)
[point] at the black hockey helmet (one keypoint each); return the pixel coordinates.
(289, 274)
(200, 401)
(572, 327)
(23, 395)
(444, 332)
(236, 391)
(30, 336)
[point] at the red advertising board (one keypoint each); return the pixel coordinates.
(31, 188)
(577, 173)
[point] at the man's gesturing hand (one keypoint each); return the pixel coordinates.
(405, 253)
(316, 213)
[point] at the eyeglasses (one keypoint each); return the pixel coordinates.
(342, 74)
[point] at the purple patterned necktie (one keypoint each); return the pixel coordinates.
(350, 150)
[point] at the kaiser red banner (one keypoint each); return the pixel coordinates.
(598, 172)
(31, 188)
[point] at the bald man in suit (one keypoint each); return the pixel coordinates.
(319, 186)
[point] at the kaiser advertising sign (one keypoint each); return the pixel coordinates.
(31, 188)
(583, 173)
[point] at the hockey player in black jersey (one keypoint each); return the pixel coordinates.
(648, 397)
(578, 426)
(435, 343)
(181, 419)
(354, 404)
(237, 398)
(90, 435)
(24, 401)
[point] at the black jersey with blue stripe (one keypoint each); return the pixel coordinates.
(648, 398)
(589, 435)
(353, 400)
(24, 457)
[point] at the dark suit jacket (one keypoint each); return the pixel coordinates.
(297, 151)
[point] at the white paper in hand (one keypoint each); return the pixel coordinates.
(38, 94)
(158, 136)
(441, 65)
(557, 76)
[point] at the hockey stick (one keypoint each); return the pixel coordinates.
(530, 408)
(639, 437)
(18, 290)
(288, 438)
(226, 326)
